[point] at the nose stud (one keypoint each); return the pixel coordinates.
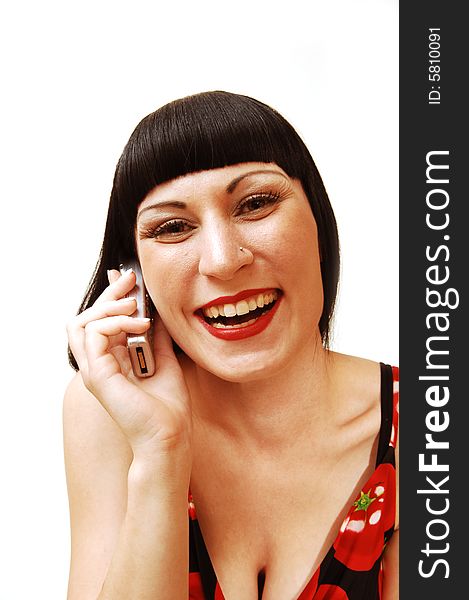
(247, 254)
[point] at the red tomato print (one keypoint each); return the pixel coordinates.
(361, 538)
(196, 591)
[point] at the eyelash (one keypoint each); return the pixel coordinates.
(165, 228)
(270, 199)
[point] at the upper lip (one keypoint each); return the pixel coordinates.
(236, 298)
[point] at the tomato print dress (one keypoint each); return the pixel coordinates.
(352, 568)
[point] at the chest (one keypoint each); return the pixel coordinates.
(269, 523)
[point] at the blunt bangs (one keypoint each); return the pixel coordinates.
(206, 131)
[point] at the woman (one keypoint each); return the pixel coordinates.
(281, 451)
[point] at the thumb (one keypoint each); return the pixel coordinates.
(162, 344)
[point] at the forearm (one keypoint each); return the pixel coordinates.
(151, 559)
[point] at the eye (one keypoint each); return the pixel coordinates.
(258, 203)
(168, 231)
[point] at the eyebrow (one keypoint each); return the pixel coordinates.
(230, 188)
(165, 203)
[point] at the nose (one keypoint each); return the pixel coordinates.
(223, 252)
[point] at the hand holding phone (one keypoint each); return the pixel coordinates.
(140, 347)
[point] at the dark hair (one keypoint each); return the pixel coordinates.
(207, 131)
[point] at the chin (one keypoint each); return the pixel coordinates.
(228, 362)
(245, 369)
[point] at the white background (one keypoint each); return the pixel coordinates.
(76, 79)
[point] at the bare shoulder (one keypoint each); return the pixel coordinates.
(357, 379)
(356, 395)
(97, 459)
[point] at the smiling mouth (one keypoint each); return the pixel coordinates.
(241, 314)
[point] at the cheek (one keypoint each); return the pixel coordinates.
(300, 255)
(168, 277)
(294, 244)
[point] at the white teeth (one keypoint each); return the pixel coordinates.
(230, 310)
(239, 326)
(243, 307)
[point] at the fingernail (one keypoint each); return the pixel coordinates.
(124, 271)
(129, 299)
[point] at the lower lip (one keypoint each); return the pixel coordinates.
(235, 333)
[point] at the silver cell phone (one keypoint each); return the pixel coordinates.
(140, 347)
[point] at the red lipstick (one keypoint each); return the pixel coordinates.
(236, 298)
(240, 333)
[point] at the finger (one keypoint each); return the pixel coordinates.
(119, 288)
(76, 341)
(107, 308)
(163, 346)
(168, 372)
(113, 275)
(76, 327)
(97, 334)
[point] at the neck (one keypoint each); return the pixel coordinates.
(268, 412)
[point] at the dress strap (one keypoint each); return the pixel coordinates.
(388, 431)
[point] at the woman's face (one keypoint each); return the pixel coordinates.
(239, 314)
